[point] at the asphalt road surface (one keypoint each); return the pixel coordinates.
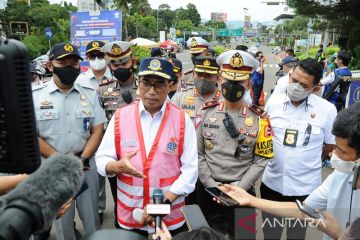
(271, 67)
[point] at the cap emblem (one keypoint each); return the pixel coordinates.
(116, 50)
(155, 65)
(68, 48)
(236, 61)
(206, 63)
(95, 44)
(194, 43)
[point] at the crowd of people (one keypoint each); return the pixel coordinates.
(142, 126)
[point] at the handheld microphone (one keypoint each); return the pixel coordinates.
(33, 204)
(158, 210)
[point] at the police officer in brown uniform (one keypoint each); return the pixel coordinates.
(121, 89)
(234, 140)
(198, 47)
(205, 88)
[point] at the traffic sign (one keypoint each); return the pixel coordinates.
(224, 32)
(19, 28)
(48, 33)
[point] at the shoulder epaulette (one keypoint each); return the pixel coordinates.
(210, 104)
(258, 111)
(106, 81)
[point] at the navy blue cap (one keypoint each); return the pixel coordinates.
(156, 52)
(94, 45)
(287, 60)
(177, 65)
(61, 50)
(156, 66)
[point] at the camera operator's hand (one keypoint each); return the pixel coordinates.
(328, 225)
(64, 208)
(146, 219)
(163, 233)
(239, 194)
(8, 183)
(124, 166)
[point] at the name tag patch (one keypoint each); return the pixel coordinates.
(128, 143)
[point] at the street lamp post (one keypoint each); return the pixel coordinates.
(245, 11)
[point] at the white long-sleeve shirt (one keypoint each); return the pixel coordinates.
(185, 184)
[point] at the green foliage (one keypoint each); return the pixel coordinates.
(140, 26)
(140, 52)
(215, 24)
(185, 25)
(355, 63)
(40, 15)
(331, 50)
(219, 49)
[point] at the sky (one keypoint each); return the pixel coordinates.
(234, 8)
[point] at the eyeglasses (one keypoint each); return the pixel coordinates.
(99, 55)
(158, 86)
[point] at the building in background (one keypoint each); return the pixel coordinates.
(219, 17)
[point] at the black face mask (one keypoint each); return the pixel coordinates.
(67, 75)
(122, 74)
(232, 91)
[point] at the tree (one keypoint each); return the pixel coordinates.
(215, 24)
(185, 25)
(41, 14)
(340, 14)
(193, 14)
(140, 26)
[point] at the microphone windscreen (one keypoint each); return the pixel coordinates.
(55, 182)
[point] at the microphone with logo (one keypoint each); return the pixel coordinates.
(158, 210)
(33, 205)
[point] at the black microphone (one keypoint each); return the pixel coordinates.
(158, 198)
(33, 204)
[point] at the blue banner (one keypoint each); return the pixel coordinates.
(354, 95)
(98, 25)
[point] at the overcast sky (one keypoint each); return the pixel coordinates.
(234, 8)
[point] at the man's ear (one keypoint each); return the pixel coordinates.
(316, 89)
(134, 62)
(50, 66)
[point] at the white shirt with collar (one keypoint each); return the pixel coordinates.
(334, 195)
(281, 85)
(88, 78)
(185, 184)
(296, 171)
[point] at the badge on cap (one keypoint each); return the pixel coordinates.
(194, 43)
(116, 50)
(206, 63)
(236, 60)
(68, 48)
(155, 65)
(95, 44)
(171, 146)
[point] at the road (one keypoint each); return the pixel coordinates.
(271, 67)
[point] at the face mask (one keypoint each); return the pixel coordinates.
(341, 165)
(97, 64)
(296, 92)
(122, 74)
(232, 91)
(67, 75)
(204, 86)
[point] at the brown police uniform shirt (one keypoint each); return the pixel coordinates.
(112, 95)
(191, 101)
(217, 163)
